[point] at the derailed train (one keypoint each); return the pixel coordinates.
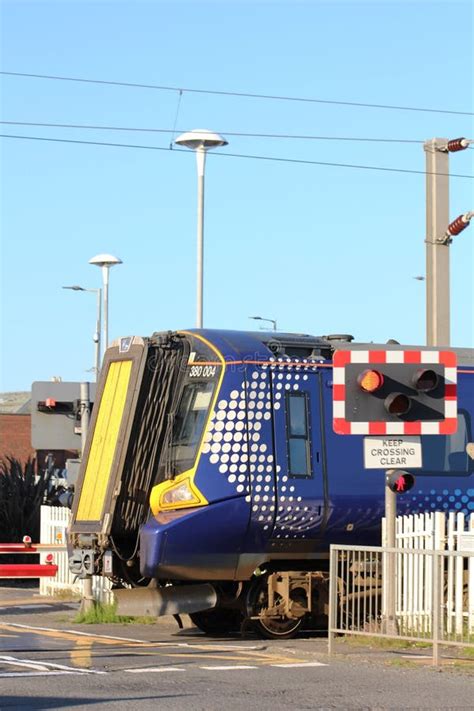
(213, 482)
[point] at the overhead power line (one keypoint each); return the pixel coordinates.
(241, 94)
(227, 133)
(231, 155)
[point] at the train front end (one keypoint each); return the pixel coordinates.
(142, 506)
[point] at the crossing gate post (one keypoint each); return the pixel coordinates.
(87, 602)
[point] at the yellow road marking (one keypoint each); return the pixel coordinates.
(241, 656)
(24, 601)
(59, 634)
(81, 655)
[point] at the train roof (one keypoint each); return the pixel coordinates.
(242, 344)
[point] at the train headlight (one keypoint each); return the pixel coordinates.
(179, 494)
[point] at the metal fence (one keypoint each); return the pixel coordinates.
(434, 595)
(54, 523)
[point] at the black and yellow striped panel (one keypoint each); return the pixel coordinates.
(104, 442)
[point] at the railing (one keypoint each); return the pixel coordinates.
(54, 523)
(427, 608)
(433, 531)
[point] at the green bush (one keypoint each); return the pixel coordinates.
(22, 491)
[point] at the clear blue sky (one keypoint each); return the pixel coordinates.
(322, 249)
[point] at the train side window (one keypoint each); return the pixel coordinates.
(447, 454)
(299, 463)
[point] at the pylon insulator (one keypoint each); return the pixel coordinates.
(457, 144)
(459, 224)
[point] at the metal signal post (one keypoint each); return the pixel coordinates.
(87, 602)
(390, 620)
(396, 481)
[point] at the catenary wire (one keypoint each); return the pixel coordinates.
(233, 155)
(226, 133)
(173, 131)
(236, 93)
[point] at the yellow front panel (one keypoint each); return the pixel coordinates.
(104, 442)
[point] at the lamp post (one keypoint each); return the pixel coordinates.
(105, 261)
(201, 141)
(269, 320)
(96, 336)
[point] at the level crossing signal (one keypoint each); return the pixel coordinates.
(399, 481)
(388, 392)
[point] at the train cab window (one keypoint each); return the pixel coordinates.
(299, 463)
(189, 424)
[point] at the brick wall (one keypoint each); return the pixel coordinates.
(15, 441)
(15, 436)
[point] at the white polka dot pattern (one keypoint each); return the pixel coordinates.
(239, 441)
(240, 449)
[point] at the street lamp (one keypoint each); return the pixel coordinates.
(105, 261)
(96, 336)
(269, 320)
(201, 141)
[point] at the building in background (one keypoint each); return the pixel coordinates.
(15, 432)
(15, 426)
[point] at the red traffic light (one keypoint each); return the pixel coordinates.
(425, 380)
(399, 481)
(370, 380)
(397, 404)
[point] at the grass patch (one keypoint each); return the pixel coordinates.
(101, 614)
(465, 653)
(385, 642)
(377, 642)
(402, 663)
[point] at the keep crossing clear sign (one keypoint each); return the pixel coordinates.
(390, 452)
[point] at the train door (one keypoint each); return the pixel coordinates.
(299, 456)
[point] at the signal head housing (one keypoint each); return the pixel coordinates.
(387, 392)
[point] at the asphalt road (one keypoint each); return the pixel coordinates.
(48, 662)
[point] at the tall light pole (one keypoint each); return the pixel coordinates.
(270, 320)
(96, 336)
(105, 261)
(201, 141)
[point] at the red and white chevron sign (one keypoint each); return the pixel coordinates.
(382, 361)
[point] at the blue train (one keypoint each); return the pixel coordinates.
(213, 482)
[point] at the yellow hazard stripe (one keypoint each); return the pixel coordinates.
(104, 442)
